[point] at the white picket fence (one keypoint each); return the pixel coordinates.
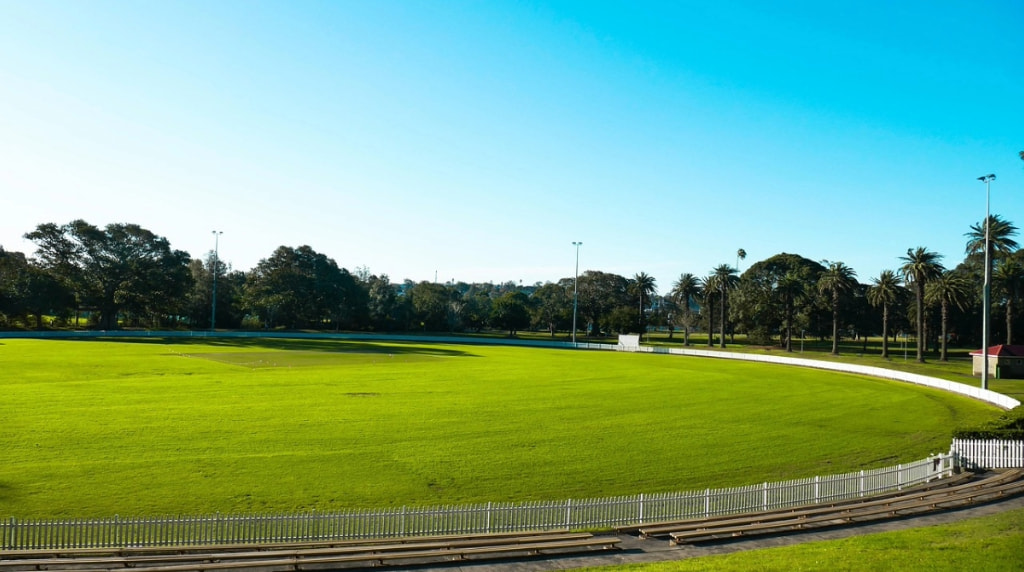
(988, 454)
(587, 514)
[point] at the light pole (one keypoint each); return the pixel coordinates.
(987, 291)
(575, 280)
(216, 268)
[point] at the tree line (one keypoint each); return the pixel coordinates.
(123, 275)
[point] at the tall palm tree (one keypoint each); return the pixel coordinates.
(920, 266)
(740, 255)
(645, 286)
(837, 280)
(791, 287)
(883, 292)
(1009, 276)
(947, 289)
(687, 287)
(709, 285)
(1000, 243)
(726, 279)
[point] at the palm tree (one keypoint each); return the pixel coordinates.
(920, 266)
(883, 292)
(947, 289)
(688, 286)
(725, 279)
(1009, 276)
(709, 285)
(645, 287)
(836, 280)
(740, 255)
(1000, 243)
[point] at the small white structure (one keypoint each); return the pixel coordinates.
(629, 342)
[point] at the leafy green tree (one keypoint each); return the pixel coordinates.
(884, 291)
(919, 267)
(947, 289)
(122, 267)
(685, 289)
(552, 306)
(382, 303)
(302, 288)
(774, 296)
(429, 303)
(726, 280)
(837, 280)
(598, 293)
(476, 312)
(511, 311)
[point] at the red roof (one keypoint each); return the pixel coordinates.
(1002, 350)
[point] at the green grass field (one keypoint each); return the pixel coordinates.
(96, 428)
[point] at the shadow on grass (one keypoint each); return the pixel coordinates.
(293, 344)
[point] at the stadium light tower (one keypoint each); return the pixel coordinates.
(987, 290)
(216, 269)
(575, 279)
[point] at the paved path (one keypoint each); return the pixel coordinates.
(636, 551)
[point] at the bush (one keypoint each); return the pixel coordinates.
(1009, 425)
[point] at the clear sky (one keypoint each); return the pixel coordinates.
(476, 140)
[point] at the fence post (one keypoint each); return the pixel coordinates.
(568, 514)
(817, 489)
(488, 516)
(9, 536)
(707, 503)
(641, 519)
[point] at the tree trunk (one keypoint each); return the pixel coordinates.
(711, 321)
(945, 317)
(920, 322)
(885, 331)
(835, 322)
(721, 341)
(1009, 320)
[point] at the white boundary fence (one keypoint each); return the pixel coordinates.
(989, 454)
(586, 514)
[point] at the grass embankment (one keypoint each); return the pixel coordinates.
(992, 543)
(96, 428)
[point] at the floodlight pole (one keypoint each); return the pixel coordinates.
(216, 267)
(575, 280)
(987, 291)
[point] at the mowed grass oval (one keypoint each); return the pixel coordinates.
(97, 428)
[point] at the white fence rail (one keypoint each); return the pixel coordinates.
(986, 395)
(988, 454)
(586, 514)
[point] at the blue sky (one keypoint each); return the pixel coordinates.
(476, 140)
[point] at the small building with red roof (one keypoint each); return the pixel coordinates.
(1004, 361)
